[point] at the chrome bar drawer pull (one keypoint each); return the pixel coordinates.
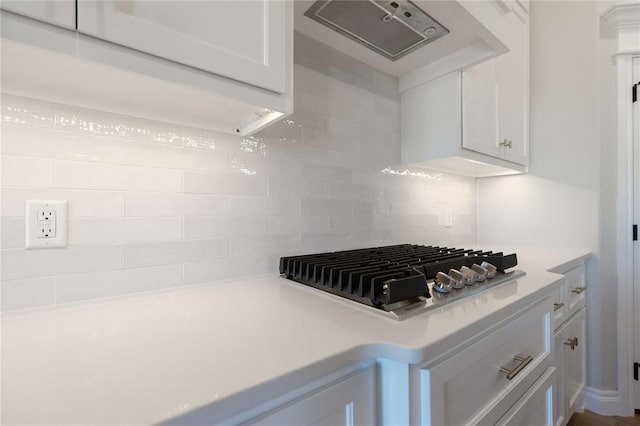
(557, 306)
(578, 290)
(518, 368)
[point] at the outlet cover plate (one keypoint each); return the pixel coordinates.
(38, 213)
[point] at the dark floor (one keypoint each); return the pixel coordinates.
(591, 419)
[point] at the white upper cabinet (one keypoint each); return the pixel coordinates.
(56, 12)
(480, 109)
(222, 65)
(485, 108)
(242, 40)
(496, 98)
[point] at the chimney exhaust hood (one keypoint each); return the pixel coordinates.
(391, 28)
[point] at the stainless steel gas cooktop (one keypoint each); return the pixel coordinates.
(404, 280)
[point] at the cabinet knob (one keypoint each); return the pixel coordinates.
(572, 343)
(557, 306)
(578, 290)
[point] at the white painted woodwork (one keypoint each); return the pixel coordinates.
(572, 367)
(559, 406)
(496, 98)
(622, 18)
(431, 118)
(241, 40)
(351, 401)
(512, 70)
(636, 215)
(52, 63)
(536, 407)
(57, 12)
(480, 106)
(468, 386)
(570, 364)
(489, 102)
(576, 282)
(395, 392)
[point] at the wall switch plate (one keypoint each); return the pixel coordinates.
(46, 224)
(448, 217)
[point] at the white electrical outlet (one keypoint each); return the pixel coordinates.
(46, 224)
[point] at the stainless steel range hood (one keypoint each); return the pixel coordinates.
(390, 28)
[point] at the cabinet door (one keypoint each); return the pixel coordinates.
(57, 12)
(559, 409)
(480, 109)
(241, 40)
(478, 384)
(349, 402)
(575, 365)
(512, 70)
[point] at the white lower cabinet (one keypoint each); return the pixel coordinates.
(502, 374)
(480, 383)
(570, 359)
(351, 401)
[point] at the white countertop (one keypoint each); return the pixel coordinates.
(147, 358)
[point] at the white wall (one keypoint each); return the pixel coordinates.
(155, 204)
(568, 198)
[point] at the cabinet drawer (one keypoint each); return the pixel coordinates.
(350, 401)
(560, 308)
(535, 408)
(472, 384)
(576, 289)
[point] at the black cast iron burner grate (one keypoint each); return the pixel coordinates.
(384, 276)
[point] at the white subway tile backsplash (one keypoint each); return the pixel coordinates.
(223, 269)
(260, 245)
(321, 241)
(26, 111)
(263, 206)
(119, 230)
(29, 293)
(26, 171)
(154, 155)
(53, 144)
(81, 203)
(157, 204)
(71, 288)
(289, 224)
(297, 188)
(146, 229)
(199, 227)
(173, 252)
(19, 264)
(70, 174)
(326, 207)
(209, 140)
(96, 230)
(12, 232)
(224, 183)
(100, 123)
(154, 205)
